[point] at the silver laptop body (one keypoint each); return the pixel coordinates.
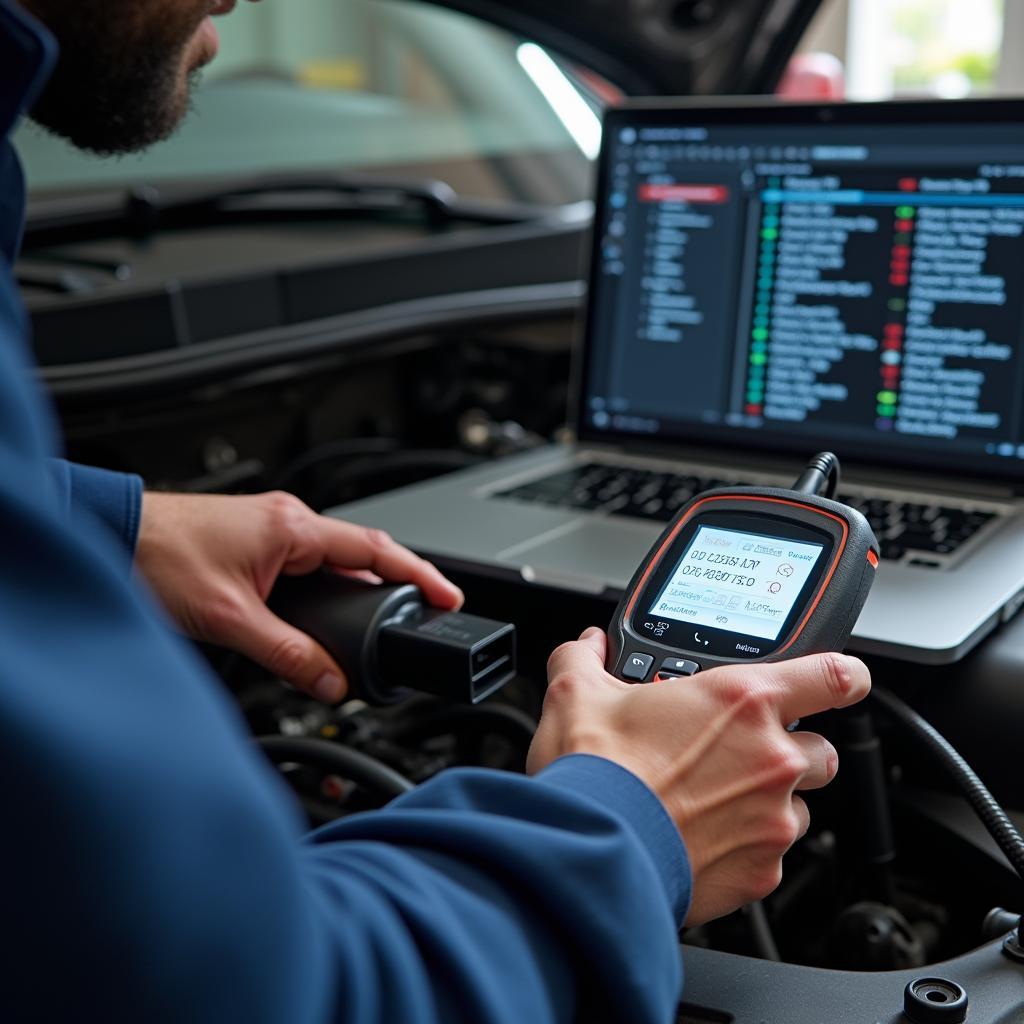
(767, 282)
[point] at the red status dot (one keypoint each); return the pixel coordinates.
(893, 330)
(898, 280)
(908, 184)
(892, 344)
(904, 225)
(901, 250)
(753, 410)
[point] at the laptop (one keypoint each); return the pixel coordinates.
(768, 281)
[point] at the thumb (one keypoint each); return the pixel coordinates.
(289, 653)
(585, 656)
(594, 637)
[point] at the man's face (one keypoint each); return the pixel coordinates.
(125, 68)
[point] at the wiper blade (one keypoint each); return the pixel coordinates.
(144, 210)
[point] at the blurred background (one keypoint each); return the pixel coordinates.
(358, 83)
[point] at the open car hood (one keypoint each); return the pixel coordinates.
(666, 47)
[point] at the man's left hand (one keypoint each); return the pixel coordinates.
(212, 560)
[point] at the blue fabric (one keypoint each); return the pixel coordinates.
(115, 499)
(153, 866)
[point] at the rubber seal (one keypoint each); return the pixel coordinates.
(935, 1001)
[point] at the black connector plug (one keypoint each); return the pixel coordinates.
(450, 654)
(390, 643)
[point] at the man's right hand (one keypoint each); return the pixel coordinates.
(715, 750)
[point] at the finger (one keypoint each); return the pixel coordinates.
(822, 759)
(818, 682)
(585, 655)
(287, 652)
(803, 817)
(359, 574)
(347, 546)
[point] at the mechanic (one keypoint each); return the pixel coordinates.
(154, 867)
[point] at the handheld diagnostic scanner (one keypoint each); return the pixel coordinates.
(746, 574)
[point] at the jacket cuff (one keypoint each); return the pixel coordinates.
(113, 498)
(618, 790)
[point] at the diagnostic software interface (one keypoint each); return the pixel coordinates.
(715, 580)
(798, 283)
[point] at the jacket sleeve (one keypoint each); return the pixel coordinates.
(114, 499)
(156, 865)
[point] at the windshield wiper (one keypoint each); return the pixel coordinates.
(144, 210)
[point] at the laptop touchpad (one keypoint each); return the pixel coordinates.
(586, 554)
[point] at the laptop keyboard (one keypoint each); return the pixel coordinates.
(651, 494)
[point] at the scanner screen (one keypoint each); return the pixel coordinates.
(737, 581)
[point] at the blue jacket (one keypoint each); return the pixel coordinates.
(154, 868)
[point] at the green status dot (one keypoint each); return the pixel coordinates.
(759, 334)
(770, 233)
(905, 212)
(887, 397)
(758, 358)
(886, 410)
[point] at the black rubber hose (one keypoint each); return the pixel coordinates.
(493, 719)
(993, 817)
(359, 768)
(761, 932)
(820, 476)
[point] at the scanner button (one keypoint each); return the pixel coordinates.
(637, 666)
(678, 667)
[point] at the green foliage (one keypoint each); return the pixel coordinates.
(921, 24)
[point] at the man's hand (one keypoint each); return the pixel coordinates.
(715, 750)
(212, 560)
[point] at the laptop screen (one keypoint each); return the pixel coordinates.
(847, 277)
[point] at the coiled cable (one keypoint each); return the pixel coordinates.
(992, 816)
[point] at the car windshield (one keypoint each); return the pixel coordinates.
(353, 85)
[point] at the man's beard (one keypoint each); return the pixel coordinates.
(119, 85)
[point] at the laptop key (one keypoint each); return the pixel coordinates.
(890, 550)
